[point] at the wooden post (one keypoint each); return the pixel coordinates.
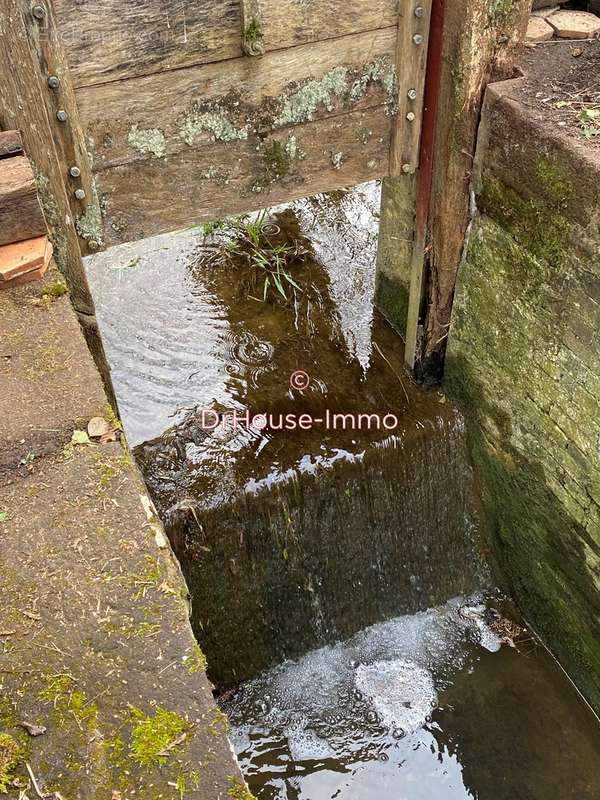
(30, 57)
(480, 40)
(398, 244)
(24, 105)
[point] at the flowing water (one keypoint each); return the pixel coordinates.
(337, 567)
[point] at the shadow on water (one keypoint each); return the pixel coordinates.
(322, 561)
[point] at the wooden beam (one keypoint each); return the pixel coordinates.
(196, 185)
(24, 105)
(20, 211)
(110, 40)
(156, 117)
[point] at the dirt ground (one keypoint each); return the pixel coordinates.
(103, 692)
(562, 80)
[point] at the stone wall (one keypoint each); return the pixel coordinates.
(524, 360)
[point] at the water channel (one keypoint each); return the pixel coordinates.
(340, 572)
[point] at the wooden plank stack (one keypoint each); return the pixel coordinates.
(25, 250)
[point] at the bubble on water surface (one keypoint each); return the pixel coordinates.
(401, 692)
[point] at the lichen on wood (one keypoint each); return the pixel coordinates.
(147, 140)
(215, 123)
(90, 224)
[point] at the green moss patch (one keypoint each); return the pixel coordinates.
(156, 737)
(9, 760)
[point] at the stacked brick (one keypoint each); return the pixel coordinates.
(25, 250)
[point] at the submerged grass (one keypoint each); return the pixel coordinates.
(261, 246)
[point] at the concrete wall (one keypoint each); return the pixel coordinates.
(524, 360)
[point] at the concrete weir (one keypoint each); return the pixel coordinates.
(103, 692)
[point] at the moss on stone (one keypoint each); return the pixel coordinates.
(147, 140)
(508, 367)
(52, 291)
(539, 226)
(238, 790)
(156, 737)
(195, 660)
(9, 760)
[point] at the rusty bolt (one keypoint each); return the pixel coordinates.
(39, 12)
(61, 115)
(74, 172)
(80, 194)
(53, 82)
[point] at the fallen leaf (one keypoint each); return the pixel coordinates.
(33, 730)
(80, 437)
(3, 516)
(97, 427)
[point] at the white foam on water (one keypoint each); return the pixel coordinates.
(401, 692)
(358, 702)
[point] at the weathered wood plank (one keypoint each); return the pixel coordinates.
(23, 107)
(113, 39)
(159, 116)
(411, 61)
(20, 211)
(10, 144)
(193, 186)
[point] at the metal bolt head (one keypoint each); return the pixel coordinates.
(53, 82)
(80, 194)
(93, 244)
(39, 12)
(417, 38)
(406, 168)
(412, 94)
(419, 12)
(410, 116)
(61, 115)
(75, 172)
